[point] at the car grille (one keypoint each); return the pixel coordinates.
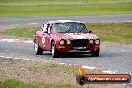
(79, 43)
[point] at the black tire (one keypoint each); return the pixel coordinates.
(95, 54)
(54, 51)
(37, 49)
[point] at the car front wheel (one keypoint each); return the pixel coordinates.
(37, 49)
(54, 50)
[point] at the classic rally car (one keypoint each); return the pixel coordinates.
(64, 36)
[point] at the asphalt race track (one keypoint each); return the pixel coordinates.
(91, 19)
(115, 57)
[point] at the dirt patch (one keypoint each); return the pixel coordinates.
(42, 72)
(33, 71)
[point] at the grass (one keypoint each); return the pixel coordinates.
(58, 1)
(14, 84)
(108, 32)
(113, 32)
(18, 84)
(21, 31)
(64, 7)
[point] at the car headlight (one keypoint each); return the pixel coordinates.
(68, 42)
(91, 41)
(62, 42)
(97, 41)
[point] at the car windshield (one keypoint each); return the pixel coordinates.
(69, 27)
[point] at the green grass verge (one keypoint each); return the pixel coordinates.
(19, 84)
(63, 7)
(108, 32)
(113, 32)
(59, 1)
(14, 84)
(21, 31)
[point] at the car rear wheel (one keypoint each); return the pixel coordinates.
(37, 49)
(95, 54)
(54, 50)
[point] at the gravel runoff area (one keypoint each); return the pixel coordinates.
(30, 71)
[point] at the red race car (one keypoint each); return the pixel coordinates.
(63, 36)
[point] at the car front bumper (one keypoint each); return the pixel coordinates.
(87, 49)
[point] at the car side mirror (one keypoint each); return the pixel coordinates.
(90, 31)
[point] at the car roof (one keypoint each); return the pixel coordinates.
(62, 21)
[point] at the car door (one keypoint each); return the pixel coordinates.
(46, 36)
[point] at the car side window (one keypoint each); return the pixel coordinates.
(41, 29)
(45, 27)
(50, 28)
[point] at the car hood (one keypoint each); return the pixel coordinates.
(72, 36)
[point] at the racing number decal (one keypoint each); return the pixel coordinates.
(43, 41)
